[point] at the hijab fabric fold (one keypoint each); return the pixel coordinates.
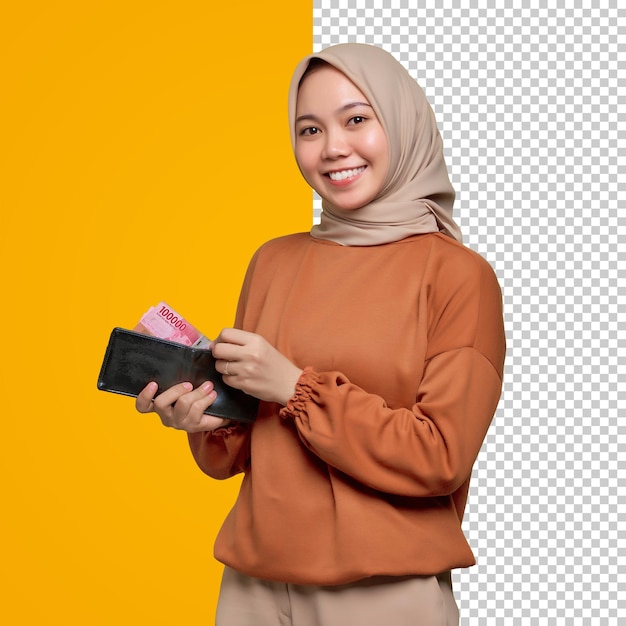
(417, 196)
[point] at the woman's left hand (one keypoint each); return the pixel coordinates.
(248, 362)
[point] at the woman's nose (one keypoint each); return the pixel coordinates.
(336, 145)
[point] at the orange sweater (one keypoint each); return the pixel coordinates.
(366, 471)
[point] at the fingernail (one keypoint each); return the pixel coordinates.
(152, 387)
(188, 386)
(207, 386)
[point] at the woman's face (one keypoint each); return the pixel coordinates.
(341, 146)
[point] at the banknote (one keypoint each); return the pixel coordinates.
(164, 322)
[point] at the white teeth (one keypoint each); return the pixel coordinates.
(345, 173)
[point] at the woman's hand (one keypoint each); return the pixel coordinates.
(181, 406)
(248, 362)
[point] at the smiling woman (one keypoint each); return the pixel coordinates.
(375, 344)
(415, 195)
(341, 146)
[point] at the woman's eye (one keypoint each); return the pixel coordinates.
(357, 119)
(311, 130)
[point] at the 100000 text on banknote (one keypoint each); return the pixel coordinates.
(163, 322)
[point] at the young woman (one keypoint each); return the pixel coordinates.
(376, 345)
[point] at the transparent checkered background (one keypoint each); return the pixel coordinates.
(531, 105)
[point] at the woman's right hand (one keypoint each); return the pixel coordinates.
(181, 406)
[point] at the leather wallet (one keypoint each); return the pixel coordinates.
(133, 359)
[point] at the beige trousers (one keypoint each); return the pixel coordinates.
(382, 601)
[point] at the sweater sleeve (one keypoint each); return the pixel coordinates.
(428, 449)
(224, 452)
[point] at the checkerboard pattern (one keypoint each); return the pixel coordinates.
(531, 104)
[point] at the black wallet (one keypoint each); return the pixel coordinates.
(133, 359)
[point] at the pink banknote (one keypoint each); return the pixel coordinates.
(162, 321)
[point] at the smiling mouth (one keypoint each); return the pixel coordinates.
(345, 174)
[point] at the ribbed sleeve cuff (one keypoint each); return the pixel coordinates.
(229, 429)
(303, 393)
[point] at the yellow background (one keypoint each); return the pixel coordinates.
(144, 156)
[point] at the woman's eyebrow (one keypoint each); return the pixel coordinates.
(342, 109)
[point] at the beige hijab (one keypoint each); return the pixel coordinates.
(417, 196)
